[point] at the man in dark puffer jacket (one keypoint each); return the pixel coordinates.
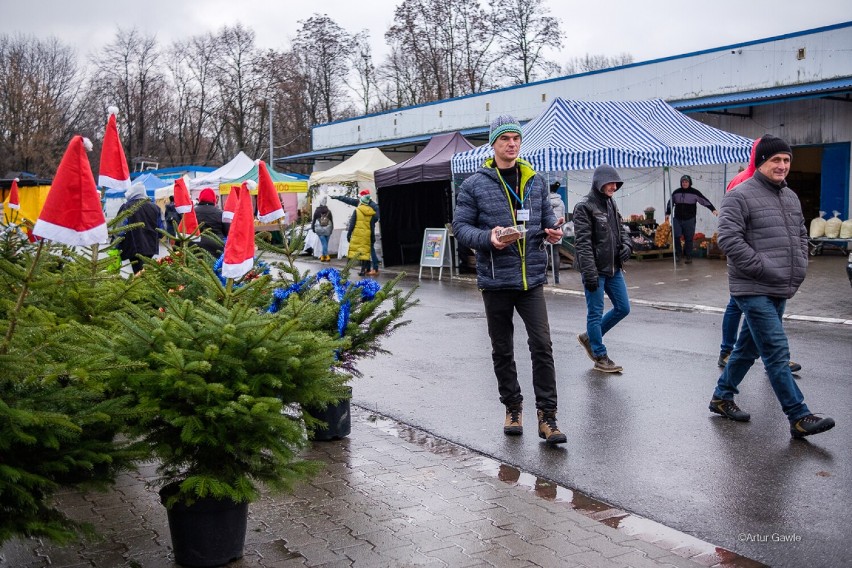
(601, 245)
(762, 233)
(507, 192)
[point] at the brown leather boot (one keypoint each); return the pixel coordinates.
(513, 426)
(547, 428)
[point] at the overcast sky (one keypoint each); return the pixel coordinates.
(647, 29)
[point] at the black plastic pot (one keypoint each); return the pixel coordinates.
(337, 417)
(210, 532)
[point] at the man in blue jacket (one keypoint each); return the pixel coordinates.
(511, 269)
(762, 233)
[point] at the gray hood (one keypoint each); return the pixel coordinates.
(603, 175)
(136, 191)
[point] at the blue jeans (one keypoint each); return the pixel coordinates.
(374, 258)
(763, 336)
(324, 242)
(500, 307)
(685, 227)
(598, 324)
(730, 325)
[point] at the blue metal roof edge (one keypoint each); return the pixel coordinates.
(600, 71)
(763, 96)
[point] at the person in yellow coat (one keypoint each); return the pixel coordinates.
(360, 232)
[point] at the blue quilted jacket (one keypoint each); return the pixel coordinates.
(482, 204)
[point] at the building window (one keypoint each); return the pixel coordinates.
(487, 107)
(544, 97)
(800, 54)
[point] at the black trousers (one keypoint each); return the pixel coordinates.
(500, 307)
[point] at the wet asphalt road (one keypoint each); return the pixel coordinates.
(643, 441)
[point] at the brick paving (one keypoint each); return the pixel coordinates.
(390, 495)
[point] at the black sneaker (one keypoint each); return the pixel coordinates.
(583, 338)
(795, 367)
(810, 425)
(605, 364)
(688, 260)
(723, 359)
(729, 409)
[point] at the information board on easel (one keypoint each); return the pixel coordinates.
(434, 251)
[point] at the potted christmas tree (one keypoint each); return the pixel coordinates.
(227, 363)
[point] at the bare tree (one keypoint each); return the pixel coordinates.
(588, 62)
(323, 50)
(40, 103)
(189, 134)
(525, 31)
(361, 60)
(128, 74)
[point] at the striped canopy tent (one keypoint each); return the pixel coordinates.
(581, 135)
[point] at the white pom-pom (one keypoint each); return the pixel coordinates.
(251, 184)
(112, 110)
(257, 162)
(17, 180)
(87, 144)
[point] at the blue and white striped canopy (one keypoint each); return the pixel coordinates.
(581, 135)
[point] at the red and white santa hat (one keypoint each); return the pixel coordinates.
(231, 204)
(114, 173)
(14, 197)
(269, 207)
(183, 203)
(72, 213)
(239, 248)
(188, 226)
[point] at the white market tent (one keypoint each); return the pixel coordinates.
(359, 169)
(239, 166)
(581, 135)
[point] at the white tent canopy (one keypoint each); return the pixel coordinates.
(359, 168)
(236, 168)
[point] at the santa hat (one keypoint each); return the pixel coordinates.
(269, 207)
(207, 195)
(188, 226)
(183, 203)
(231, 204)
(239, 247)
(113, 169)
(72, 212)
(14, 198)
(364, 192)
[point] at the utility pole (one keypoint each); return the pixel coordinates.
(271, 164)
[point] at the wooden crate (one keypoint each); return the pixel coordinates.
(652, 254)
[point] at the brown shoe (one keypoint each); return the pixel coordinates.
(513, 426)
(605, 364)
(583, 338)
(373, 272)
(547, 428)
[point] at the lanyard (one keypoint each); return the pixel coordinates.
(522, 243)
(520, 199)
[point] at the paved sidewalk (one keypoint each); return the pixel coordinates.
(389, 496)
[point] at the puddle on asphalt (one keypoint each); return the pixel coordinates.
(635, 526)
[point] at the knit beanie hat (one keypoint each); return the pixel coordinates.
(555, 186)
(501, 125)
(207, 196)
(768, 146)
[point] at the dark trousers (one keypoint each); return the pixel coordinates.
(685, 227)
(500, 307)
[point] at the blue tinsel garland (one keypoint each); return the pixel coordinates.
(368, 288)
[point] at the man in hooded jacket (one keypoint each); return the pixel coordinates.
(601, 247)
(685, 199)
(511, 269)
(142, 241)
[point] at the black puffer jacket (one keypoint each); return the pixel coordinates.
(210, 219)
(602, 243)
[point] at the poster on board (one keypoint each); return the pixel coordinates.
(434, 245)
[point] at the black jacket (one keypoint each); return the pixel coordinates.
(210, 219)
(143, 240)
(602, 243)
